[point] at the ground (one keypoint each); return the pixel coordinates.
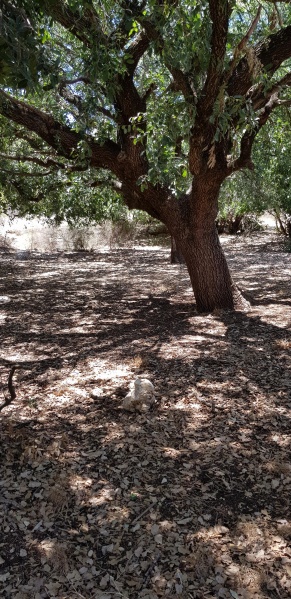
(190, 499)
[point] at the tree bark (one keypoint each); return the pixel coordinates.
(209, 274)
(208, 270)
(196, 236)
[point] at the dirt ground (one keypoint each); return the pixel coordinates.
(190, 499)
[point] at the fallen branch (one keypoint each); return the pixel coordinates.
(153, 504)
(12, 394)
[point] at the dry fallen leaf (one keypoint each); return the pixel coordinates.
(178, 501)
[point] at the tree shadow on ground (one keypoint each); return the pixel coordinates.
(188, 499)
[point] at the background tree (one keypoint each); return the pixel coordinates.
(273, 160)
(249, 193)
(160, 99)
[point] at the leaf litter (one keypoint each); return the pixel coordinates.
(188, 500)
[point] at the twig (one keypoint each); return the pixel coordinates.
(143, 513)
(241, 46)
(8, 399)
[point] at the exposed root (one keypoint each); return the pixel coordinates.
(12, 394)
(239, 301)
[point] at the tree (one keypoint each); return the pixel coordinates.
(249, 193)
(242, 201)
(160, 99)
(274, 166)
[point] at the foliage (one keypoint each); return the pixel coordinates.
(58, 198)
(55, 192)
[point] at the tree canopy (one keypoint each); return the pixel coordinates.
(159, 101)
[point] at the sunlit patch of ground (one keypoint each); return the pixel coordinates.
(189, 500)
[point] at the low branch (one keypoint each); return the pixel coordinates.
(34, 159)
(85, 26)
(49, 162)
(57, 135)
(8, 399)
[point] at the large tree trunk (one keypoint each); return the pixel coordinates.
(208, 270)
(199, 243)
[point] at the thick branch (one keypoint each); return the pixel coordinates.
(219, 12)
(57, 135)
(136, 50)
(34, 159)
(85, 26)
(271, 54)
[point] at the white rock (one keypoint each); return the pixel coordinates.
(141, 395)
